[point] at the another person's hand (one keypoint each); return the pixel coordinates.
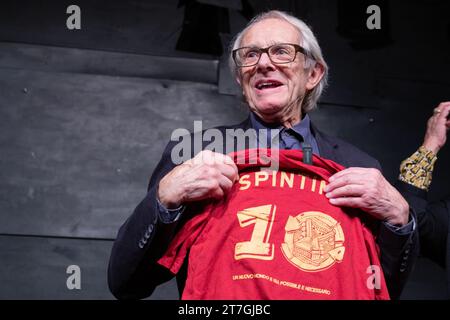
(207, 175)
(437, 127)
(367, 189)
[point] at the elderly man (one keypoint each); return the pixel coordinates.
(414, 182)
(279, 65)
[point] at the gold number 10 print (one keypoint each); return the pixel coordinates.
(313, 240)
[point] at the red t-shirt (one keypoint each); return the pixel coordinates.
(276, 236)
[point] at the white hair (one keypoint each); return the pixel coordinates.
(308, 42)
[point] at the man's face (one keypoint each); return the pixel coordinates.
(273, 103)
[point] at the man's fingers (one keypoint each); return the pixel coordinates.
(351, 202)
(350, 190)
(228, 171)
(225, 184)
(346, 179)
(222, 162)
(217, 193)
(222, 189)
(443, 104)
(227, 166)
(444, 111)
(211, 158)
(347, 171)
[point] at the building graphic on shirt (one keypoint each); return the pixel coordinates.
(313, 242)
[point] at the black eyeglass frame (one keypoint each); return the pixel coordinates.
(298, 48)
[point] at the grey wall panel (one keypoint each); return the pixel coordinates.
(78, 150)
(35, 268)
(146, 27)
(45, 58)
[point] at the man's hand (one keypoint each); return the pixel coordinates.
(368, 190)
(207, 175)
(437, 127)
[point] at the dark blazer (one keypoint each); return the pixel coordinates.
(143, 238)
(433, 218)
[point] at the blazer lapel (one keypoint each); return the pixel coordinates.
(328, 148)
(246, 124)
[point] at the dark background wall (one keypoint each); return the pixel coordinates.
(85, 114)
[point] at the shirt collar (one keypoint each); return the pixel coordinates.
(303, 128)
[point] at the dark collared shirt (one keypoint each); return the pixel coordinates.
(290, 138)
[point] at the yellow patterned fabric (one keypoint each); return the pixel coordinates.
(417, 170)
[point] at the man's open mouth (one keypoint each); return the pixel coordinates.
(267, 84)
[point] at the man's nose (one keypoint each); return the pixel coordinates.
(265, 62)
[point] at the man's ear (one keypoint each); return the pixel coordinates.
(314, 76)
(238, 79)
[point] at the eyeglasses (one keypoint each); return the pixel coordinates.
(278, 54)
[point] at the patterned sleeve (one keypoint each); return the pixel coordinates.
(417, 170)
